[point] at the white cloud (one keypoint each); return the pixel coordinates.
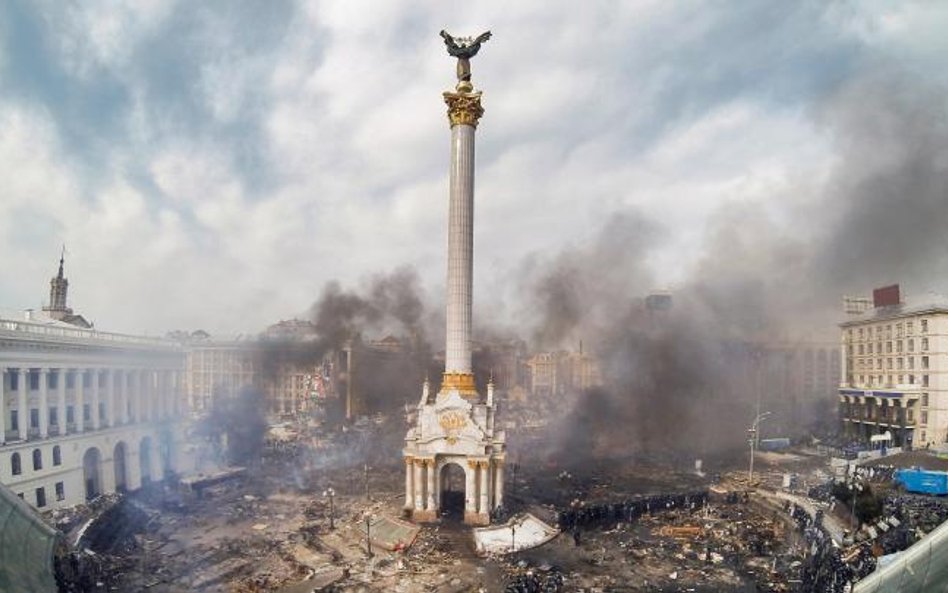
(227, 201)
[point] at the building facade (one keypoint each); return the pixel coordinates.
(895, 374)
(217, 369)
(85, 412)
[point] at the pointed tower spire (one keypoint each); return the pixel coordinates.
(58, 288)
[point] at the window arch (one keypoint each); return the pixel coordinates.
(37, 459)
(15, 464)
(57, 455)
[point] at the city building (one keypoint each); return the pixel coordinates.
(895, 371)
(82, 411)
(217, 368)
(561, 372)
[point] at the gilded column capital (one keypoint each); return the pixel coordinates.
(409, 459)
(472, 463)
(464, 109)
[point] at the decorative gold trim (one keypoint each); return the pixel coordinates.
(463, 382)
(464, 108)
(472, 463)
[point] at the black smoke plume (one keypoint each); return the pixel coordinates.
(688, 379)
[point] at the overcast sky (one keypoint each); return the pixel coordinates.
(213, 164)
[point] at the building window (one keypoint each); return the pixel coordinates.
(924, 324)
(924, 416)
(70, 415)
(70, 380)
(15, 467)
(40, 497)
(898, 330)
(900, 379)
(54, 416)
(37, 459)
(911, 362)
(34, 418)
(924, 344)
(85, 413)
(888, 363)
(862, 349)
(60, 491)
(925, 362)
(14, 420)
(924, 380)
(898, 346)
(57, 455)
(911, 345)
(911, 379)
(52, 380)
(910, 327)
(924, 400)
(869, 348)
(900, 363)
(888, 347)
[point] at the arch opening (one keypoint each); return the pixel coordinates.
(119, 459)
(452, 480)
(91, 472)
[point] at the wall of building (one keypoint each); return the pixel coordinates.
(895, 369)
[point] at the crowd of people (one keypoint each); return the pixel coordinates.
(825, 568)
(530, 582)
(580, 515)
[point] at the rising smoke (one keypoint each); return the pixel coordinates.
(686, 381)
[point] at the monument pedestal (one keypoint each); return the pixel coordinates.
(424, 515)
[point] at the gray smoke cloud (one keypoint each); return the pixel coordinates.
(688, 380)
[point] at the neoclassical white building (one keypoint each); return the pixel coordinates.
(84, 412)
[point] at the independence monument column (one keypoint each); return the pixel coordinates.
(453, 452)
(464, 111)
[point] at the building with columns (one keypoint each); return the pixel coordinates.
(84, 412)
(895, 372)
(454, 456)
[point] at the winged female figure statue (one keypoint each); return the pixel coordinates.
(464, 48)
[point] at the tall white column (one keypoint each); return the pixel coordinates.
(110, 397)
(138, 382)
(96, 399)
(44, 403)
(80, 400)
(419, 490)
(460, 251)
(409, 495)
(470, 487)
(124, 412)
(23, 408)
(484, 486)
(61, 400)
(3, 405)
(430, 468)
(498, 483)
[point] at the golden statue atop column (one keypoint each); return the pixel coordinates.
(454, 434)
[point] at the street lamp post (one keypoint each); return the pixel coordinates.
(368, 534)
(366, 470)
(752, 440)
(513, 538)
(330, 494)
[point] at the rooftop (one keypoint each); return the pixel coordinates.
(936, 304)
